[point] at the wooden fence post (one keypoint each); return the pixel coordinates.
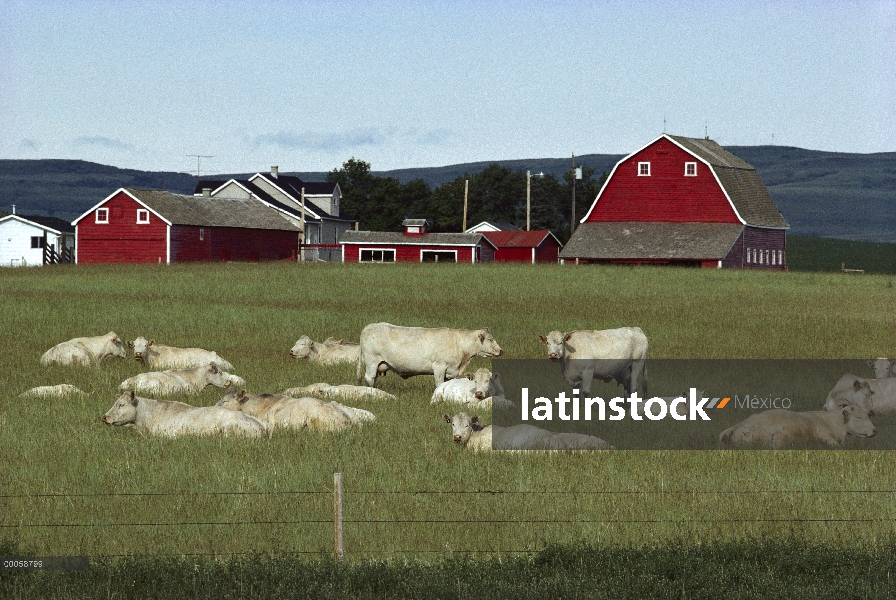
(337, 502)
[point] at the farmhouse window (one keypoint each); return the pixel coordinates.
(37, 241)
(690, 169)
(379, 256)
(643, 169)
(102, 215)
(443, 256)
(201, 234)
(142, 216)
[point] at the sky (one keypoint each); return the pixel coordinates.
(308, 85)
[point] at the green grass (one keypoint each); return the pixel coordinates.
(73, 486)
(829, 255)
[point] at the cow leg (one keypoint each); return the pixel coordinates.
(587, 376)
(439, 373)
(370, 375)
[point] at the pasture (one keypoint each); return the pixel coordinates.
(71, 485)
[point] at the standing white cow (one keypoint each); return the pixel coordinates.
(330, 352)
(877, 396)
(610, 354)
(177, 381)
(779, 428)
(442, 352)
(172, 419)
(296, 413)
(85, 350)
(468, 433)
(158, 356)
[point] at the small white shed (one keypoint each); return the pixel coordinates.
(23, 239)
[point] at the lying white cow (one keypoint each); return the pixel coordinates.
(177, 381)
(877, 396)
(610, 354)
(339, 392)
(85, 351)
(482, 389)
(63, 390)
(296, 413)
(779, 428)
(172, 419)
(469, 433)
(443, 353)
(883, 368)
(158, 356)
(330, 352)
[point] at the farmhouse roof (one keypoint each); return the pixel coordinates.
(54, 223)
(652, 240)
(494, 225)
(400, 239)
(519, 239)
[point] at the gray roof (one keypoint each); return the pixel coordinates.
(744, 186)
(651, 240)
(415, 223)
(395, 238)
(211, 211)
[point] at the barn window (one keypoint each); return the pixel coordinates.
(438, 256)
(142, 216)
(690, 169)
(37, 241)
(749, 254)
(378, 256)
(643, 169)
(201, 234)
(780, 257)
(102, 215)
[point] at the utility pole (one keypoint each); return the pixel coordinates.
(466, 191)
(199, 157)
(528, 195)
(302, 234)
(576, 174)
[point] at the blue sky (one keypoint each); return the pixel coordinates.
(307, 85)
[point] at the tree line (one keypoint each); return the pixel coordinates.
(495, 194)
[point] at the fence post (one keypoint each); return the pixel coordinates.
(337, 501)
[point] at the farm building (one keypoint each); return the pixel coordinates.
(538, 246)
(683, 201)
(492, 226)
(34, 240)
(324, 221)
(415, 244)
(154, 226)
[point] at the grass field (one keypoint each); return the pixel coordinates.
(72, 486)
(806, 253)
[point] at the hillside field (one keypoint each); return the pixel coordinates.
(71, 485)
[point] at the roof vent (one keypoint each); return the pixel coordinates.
(207, 192)
(274, 170)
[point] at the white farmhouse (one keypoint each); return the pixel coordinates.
(23, 239)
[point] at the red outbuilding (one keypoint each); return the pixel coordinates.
(155, 226)
(539, 246)
(415, 245)
(684, 201)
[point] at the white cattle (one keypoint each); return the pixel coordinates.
(469, 433)
(339, 392)
(177, 381)
(85, 350)
(610, 354)
(443, 353)
(63, 390)
(779, 428)
(877, 396)
(482, 389)
(883, 368)
(158, 356)
(330, 352)
(172, 419)
(296, 413)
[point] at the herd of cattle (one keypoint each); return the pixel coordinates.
(618, 355)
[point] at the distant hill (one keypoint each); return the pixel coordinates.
(822, 194)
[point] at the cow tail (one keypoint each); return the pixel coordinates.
(644, 378)
(359, 371)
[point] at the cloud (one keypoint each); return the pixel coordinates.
(326, 142)
(27, 144)
(103, 142)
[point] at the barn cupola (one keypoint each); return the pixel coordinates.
(415, 226)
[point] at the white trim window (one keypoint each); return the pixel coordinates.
(643, 169)
(438, 256)
(690, 169)
(780, 257)
(201, 234)
(142, 216)
(749, 254)
(376, 255)
(102, 216)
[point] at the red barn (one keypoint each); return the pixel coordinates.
(539, 246)
(415, 245)
(154, 226)
(684, 201)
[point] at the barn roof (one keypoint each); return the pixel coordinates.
(520, 239)
(400, 239)
(652, 240)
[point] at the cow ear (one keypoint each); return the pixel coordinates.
(242, 396)
(212, 368)
(567, 336)
(856, 385)
(469, 376)
(496, 376)
(133, 398)
(846, 415)
(481, 336)
(342, 341)
(870, 363)
(475, 419)
(151, 342)
(543, 339)
(447, 418)
(130, 344)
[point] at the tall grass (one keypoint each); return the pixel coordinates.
(71, 485)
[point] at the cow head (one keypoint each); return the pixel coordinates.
(487, 343)
(124, 411)
(113, 346)
(234, 399)
(882, 367)
(487, 384)
(556, 344)
(461, 427)
(140, 346)
(303, 348)
(857, 422)
(215, 376)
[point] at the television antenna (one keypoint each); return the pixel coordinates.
(199, 158)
